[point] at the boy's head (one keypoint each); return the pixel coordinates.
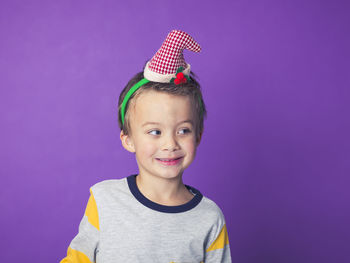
(162, 133)
(190, 90)
(161, 110)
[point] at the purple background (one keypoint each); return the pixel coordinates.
(275, 152)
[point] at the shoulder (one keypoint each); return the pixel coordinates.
(217, 235)
(213, 215)
(212, 211)
(206, 207)
(108, 187)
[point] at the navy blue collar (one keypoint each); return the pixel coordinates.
(163, 208)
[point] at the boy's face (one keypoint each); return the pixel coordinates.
(162, 135)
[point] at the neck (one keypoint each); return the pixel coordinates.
(163, 191)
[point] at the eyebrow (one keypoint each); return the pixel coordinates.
(157, 123)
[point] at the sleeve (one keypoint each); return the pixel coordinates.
(218, 249)
(84, 246)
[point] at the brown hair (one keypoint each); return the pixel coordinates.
(190, 89)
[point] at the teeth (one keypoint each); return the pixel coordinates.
(168, 160)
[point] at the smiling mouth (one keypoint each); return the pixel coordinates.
(168, 161)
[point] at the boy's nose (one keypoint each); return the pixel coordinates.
(170, 143)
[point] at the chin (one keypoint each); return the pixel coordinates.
(169, 175)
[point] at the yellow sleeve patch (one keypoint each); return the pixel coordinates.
(75, 256)
(220, 241)
(91, 212)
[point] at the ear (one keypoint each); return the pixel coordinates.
(199, 138)
(127, 142)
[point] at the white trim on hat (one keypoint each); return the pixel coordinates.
(163, 78)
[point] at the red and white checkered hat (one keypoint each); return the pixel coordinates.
(164, 64)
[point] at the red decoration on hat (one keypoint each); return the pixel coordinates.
(169, 58)
(180, 77)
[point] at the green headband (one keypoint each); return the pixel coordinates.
(128, 95)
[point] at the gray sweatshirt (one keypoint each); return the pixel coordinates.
(122, 225)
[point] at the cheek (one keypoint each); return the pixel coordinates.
(190, 146)
(147, 148)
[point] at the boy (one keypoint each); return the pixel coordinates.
(153, 216)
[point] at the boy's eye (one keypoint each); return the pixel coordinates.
(184, 131)
(154, 132)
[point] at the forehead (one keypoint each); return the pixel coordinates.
(154, 106)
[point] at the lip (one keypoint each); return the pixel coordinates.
(169, 161)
